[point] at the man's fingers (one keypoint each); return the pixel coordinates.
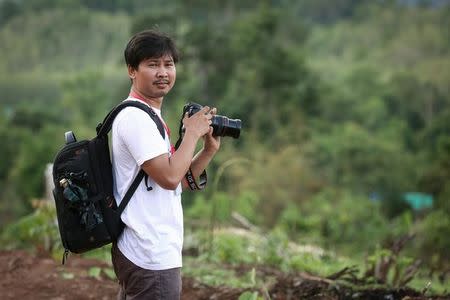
(205, 110)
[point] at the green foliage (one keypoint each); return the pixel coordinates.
(230, 247)
(27, 90)
(433, 239)
(337, 218)
(233, 248)
(29, 160)
(321, 11)
(10, 143)
(199, 209)
(292, 222)
(436, 178)
(38, 231)
(282, 77)
(80, 93)
(245, 205)
(41, 48)
(388, 266)
(103, 253)
(249, 296)
(272, 190)
(98, 272)
(210, 274)
(94, 272)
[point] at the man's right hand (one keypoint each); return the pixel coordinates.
(198, 124)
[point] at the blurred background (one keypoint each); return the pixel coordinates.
(345, 107)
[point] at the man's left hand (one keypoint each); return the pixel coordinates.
(211, 143)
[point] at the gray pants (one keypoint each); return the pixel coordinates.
(137, 283)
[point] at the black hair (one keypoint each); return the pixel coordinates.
(149, 44)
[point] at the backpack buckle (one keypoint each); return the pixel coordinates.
(69, 137)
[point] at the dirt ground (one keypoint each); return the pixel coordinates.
(25, 276)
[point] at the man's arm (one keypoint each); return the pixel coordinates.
(167, 171)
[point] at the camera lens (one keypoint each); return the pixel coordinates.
(223, 126)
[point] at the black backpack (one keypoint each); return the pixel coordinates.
(88, 216)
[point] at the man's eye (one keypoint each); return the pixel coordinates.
(152, 65)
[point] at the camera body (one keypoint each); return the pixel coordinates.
(222, 126)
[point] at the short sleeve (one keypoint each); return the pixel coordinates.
(139, 133)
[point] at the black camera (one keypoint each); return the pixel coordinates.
(222, 126)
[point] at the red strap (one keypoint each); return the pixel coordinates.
(166, 127)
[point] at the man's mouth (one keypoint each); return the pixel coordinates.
(161, 82)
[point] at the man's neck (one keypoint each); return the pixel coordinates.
(153, 102)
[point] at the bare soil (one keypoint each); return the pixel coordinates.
(27, 276)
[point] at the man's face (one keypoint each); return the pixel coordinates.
(154, 77)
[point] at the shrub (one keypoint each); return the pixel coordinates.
(38, 230)
(433, 240)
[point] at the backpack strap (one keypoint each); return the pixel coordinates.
(104, 128)
(131, 191)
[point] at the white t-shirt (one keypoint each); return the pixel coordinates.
(153, 236)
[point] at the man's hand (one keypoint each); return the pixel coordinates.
(198, 124)
(211, 144)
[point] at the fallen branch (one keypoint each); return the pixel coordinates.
(347, 271)
(243, 222)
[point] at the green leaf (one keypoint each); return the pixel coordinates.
(249, 296)
(110, 273)
(94, 272)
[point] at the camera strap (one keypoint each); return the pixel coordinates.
(203, 178)
(193, 185)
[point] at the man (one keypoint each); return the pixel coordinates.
(147, 256)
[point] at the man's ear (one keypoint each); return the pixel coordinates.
(131, 72)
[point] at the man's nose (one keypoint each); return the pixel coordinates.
(162, 73)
